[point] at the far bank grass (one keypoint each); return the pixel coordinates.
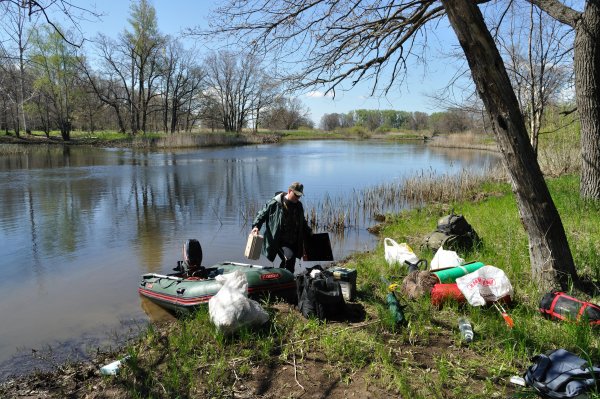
(200, 138)
(424, 359)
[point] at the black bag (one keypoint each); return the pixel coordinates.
(557, 305)
(319, 296)
(560, 374)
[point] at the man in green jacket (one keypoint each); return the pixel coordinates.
(285, 226)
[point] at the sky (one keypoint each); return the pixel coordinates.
(175, 16)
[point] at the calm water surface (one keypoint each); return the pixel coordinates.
(78, 226)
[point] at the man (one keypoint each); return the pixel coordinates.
(285, 226)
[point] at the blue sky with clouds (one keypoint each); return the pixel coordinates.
(174, 16)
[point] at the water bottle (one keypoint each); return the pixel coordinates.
(395, 308)
(112, 368)
(466, 331)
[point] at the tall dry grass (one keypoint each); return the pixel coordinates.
(188, 140)
(468, 140)
(335, 214)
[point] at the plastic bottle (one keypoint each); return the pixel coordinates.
(112, 368)
(466, 331)
(395, 308)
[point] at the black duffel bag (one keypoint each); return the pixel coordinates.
(319, 296)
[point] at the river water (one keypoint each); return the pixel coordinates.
(78, 226)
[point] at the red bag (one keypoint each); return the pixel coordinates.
(441, 293)
(557, 305)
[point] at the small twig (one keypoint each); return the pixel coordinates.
(296, 370)
(163, 387)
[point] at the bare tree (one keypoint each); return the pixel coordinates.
(19, 28)
(538, 52)
(286, 113)
(181, 82)
(330, 122)
(348, 40)
(47, 11)
(234, 82)
(143, 43)
(108, 84)
(586, 63)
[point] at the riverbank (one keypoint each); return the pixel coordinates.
(364, 353)
(149, 141)
(11, 143)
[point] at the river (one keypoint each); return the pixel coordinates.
(78, 226)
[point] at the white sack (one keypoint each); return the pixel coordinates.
(398, 253)
(444, 259)
(485, 285)
(231, 309)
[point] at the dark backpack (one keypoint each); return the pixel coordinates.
(454, 224)
(319, 296)
(452, 232)
(560, 374)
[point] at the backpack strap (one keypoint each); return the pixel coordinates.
(553, 305)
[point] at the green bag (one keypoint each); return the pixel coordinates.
(454, 242)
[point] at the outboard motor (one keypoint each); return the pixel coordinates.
(192, 254)
(192, 259)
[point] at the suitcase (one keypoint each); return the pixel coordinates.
(253, 246)
(347, 280)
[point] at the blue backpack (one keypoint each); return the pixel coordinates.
(560, 374)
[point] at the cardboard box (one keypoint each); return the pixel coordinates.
(253, 246)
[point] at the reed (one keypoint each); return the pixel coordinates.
(12, 149)
(191, 140)
(468, 140)
(365, 206)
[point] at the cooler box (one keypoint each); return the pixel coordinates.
(253, 246)
(347, 280)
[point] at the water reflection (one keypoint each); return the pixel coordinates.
(79, 225)
(155, 313)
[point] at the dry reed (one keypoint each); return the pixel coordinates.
(467, 140)
(363, 206)
(186, 140)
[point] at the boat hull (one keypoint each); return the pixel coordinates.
(183, 295)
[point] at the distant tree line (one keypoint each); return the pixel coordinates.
(142, 81)
(453, 120)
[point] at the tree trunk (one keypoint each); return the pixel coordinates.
(551, 260)
(174, 112)
(587, 87)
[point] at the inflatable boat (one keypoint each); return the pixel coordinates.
(193, 285)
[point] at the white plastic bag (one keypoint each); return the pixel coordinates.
(485, 285)
(444, 259)
(230, 308)
(398, 253)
